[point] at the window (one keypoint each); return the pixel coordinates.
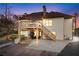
(47, 22)
(50, 22)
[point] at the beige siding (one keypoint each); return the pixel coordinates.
(58, 27)
(68, 28)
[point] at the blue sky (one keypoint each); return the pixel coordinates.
(20, 8)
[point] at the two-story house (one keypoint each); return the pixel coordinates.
(52, 25)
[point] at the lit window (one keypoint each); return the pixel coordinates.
(47, 22)
(44, 22)
(50, 23)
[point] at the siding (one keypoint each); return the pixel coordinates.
(58, 27)
(68, 28)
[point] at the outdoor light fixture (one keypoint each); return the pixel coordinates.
(54, 33)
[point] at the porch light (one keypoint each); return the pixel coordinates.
(54, 33)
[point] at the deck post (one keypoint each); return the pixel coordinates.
(37, 35)
(18, 39)
(19, 31)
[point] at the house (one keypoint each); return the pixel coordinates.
(46, 25)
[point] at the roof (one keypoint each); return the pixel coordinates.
(39, 15)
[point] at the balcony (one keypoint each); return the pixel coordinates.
(31, 25)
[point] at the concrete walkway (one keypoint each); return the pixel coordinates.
(48, 45)
(21, 50)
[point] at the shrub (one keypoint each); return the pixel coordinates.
(13, 37)
(23, 38)
(77, 31)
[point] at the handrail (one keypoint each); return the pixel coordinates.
(48, 30)
(49, 33)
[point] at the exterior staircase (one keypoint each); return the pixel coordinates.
(48, 33)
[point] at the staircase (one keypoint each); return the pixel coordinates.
(48, 32)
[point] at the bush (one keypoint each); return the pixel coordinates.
(77, 31)
(2, 34)
(14, 32)
(23, 38)
(13, 37)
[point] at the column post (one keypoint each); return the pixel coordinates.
(37, 35)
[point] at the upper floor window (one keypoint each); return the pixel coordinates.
(47, 22)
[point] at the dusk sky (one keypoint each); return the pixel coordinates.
(20, 8)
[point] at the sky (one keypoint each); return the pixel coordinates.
(20, 8)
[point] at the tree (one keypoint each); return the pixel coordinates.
(6, 25)
(15, 16)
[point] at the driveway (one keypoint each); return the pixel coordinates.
(72, 49)
(48, 45)
(21, 50)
